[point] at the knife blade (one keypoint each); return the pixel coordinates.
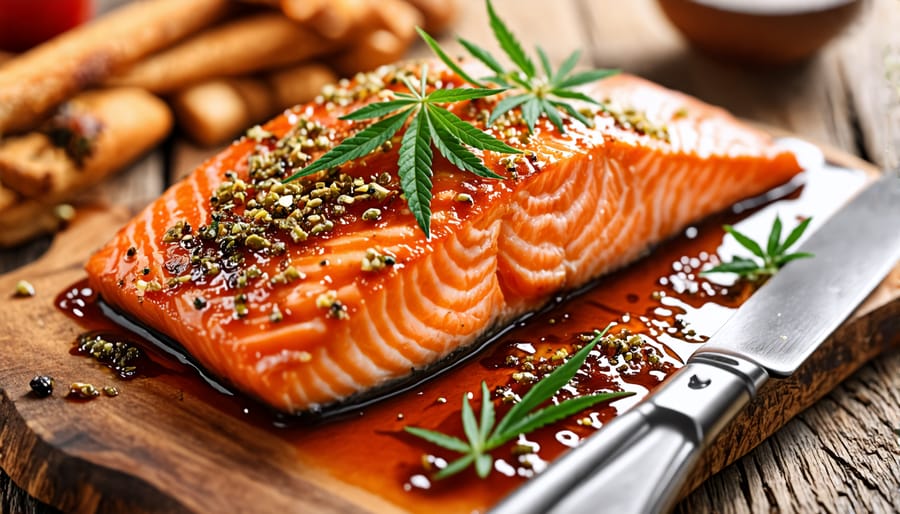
(639, 461)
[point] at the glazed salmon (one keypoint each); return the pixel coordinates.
(306, 293)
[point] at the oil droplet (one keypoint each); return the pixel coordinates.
(568, 438)
(526, 347)
(505, 468)
(420, 482)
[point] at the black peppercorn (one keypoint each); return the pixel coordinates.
(41, 386)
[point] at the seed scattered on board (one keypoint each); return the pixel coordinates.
(41, 386)
(24, 289)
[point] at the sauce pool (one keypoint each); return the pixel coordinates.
(661, 310)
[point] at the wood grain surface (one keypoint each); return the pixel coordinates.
(841, 455)
(161, 449)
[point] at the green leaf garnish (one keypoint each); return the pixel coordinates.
(450, 148)
(773, 257)
(482, 55)
(584, 77)
(465, 132)
(794, 235)
(361, 144)
(436, 48)
(505, 105)
(538, 94)
(415, 159)
(429, 123)
(482, 436)
(509, 43)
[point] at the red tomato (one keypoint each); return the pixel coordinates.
(26, 23)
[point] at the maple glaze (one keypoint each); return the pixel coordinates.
(661, 298)
(369, 449)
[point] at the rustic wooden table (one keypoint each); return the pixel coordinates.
(841, 455)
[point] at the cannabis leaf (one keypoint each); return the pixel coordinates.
(536, 94)
(547, 93)
(483, 436)
(773, 257)
(431, 124)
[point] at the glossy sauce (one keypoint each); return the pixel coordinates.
(661, 298)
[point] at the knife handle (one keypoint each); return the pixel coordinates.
(640, 461)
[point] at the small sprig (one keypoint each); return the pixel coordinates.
(773, 257)
(483, 436)
(430, 124)
(536, 94)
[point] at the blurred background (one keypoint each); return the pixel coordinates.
(772, 61)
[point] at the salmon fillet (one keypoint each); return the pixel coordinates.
(306, 293)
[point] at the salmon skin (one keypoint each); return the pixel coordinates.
(307, 293)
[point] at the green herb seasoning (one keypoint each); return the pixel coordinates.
(329, 302)
(629, 118)
(275, 316)
(374, 260)
(24, 289)
(83, 391)
(253, 220)
(119, 356)
(64, 212)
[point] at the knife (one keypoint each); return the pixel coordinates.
(639, 462)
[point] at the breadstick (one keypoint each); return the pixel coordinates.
(36, 81)
(270, 3)
(23, 219)
(299, 84)
(399, 17)
(438, 14)
(393, 30)
(216, 111)
(332, 18)
(337, 19)
(104, 130)
(371, 51)
(236, 48)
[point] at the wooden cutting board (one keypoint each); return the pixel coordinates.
(157, 449)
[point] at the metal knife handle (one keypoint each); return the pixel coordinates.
(642, 458)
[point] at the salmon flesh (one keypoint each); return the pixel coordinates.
(306, 293)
